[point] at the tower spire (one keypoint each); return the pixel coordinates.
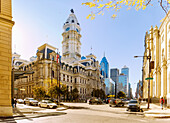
(72, 11)
(104, 53)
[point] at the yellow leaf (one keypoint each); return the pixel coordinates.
(168, 1)
(162, 20)
(88, 16)
(100, 5)
(133, 2)
(114, 15)
(144, 7)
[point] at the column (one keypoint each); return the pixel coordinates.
(6, 25)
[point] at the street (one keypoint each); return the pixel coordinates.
(80, 113)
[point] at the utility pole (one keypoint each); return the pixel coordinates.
(149, 57)
(150, 67)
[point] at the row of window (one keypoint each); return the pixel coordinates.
(66, 78)
(82, 90)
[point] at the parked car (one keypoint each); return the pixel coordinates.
(47, 104)
(133, 105)
(33, 102)
(26, 100)
(30, 101)
(94, 100)
(125, 101)
(116, 102)
(20, 101)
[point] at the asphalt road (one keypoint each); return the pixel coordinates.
(82, 113)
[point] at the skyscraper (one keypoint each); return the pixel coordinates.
(104, 67)
(114, 75)
(122, 85)
(125, 71)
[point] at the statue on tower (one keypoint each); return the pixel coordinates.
(72, 11)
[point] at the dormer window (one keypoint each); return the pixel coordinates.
(68, 28)
(78, 24)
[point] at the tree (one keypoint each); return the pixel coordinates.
(39, 92)
(98, 93)
(121, 94)
(54, 91)
(64, 90)
(75, 94)
(116, 5)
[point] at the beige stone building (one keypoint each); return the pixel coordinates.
(157, 42)
(6, 25)
(74, 71)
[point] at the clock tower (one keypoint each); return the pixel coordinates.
(71, 45)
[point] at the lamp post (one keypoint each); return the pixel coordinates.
(149, 58)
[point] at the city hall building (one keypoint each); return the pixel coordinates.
(74, 70)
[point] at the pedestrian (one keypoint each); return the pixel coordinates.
(162, 102)
(15, 102)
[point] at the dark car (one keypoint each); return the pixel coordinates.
(94, 100)
(116, 102)
(133, 105)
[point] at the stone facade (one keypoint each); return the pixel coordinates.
(157, 43)
(6, 25)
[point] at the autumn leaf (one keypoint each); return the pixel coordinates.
(88, 16)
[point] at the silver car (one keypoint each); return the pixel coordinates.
(47, 104)
(133, 105)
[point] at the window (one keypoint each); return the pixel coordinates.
(71, 88)
(63, 77)
(75, 80)
(71, 79)
(72, 21)
(77, 30)
(68, 28)
(85, 90)
(68, 78)
(80, 90)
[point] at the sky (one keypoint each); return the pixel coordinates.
(41, 21)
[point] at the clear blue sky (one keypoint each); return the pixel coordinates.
(120, 39)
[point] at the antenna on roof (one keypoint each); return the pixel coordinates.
(47, 39)
(91, 49)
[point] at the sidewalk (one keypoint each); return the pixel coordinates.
(155, 111)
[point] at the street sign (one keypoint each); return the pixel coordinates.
(15, 88)
(148, 78)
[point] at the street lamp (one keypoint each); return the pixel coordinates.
(149, 58)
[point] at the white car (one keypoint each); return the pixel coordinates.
(20, 101)
(47, 104)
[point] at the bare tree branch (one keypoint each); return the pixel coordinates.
(148, 2)
(163, 7)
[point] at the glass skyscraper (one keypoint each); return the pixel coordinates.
(114, 75)
(104, 67)
(125, 71)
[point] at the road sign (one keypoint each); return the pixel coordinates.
(148, 78)
(15, 88)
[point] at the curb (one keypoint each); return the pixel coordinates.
(156, 116)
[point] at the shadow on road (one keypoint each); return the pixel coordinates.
(18, 115)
